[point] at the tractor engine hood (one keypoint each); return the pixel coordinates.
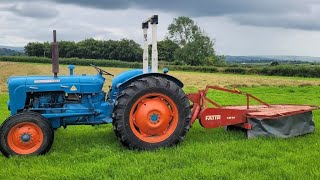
(19, 86)
(69, 84)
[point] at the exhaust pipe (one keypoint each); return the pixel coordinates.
(55, 55)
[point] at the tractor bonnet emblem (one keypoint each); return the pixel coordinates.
(73, 88)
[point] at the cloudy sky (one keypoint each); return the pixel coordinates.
(239, 27)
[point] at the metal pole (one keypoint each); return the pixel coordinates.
(145, 47)
(154, 23)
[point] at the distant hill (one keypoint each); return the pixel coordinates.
(9, 52)
(18, 49)
(250, 59)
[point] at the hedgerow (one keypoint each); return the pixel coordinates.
(103, 63)
(281, 70)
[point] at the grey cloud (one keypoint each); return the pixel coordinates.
(32, 9)
(200, 7)
(296, 14)
(308, 21)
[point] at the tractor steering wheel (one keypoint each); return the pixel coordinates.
(101, 71)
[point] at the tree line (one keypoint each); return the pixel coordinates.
(125, 50)
(185, 44)
(9, 52)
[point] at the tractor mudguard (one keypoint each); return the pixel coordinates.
(124, 79)
(170, 78)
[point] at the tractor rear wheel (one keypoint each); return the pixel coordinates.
(150, 113)
(26, 134)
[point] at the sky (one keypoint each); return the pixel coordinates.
(238, 27)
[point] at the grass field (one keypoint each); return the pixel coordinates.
(86, 152)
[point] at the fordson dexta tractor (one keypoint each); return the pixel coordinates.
(147, 109)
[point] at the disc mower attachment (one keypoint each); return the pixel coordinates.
(259, 120)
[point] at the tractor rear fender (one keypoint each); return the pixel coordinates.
(170, 78)
(125, 78)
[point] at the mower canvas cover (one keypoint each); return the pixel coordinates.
(284, 127)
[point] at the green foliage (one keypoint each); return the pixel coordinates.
(186, 44)
(67, 49)
(198, 52)
(9, 52)
(35, 49)
(183, 30)
(274, 63)
(125, 50)
(166, 49)
(235, 70)
(74, 61)
(287, 70)
(192, 68)
(281, 70)
(196, 46)
(105, 63)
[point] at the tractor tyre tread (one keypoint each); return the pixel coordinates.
(129, 95)
(33, 117)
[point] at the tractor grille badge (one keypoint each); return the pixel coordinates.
(46, 81)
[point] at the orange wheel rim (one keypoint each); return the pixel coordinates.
(25, 138)
(154, 117)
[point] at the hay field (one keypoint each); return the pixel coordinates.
(94, 152)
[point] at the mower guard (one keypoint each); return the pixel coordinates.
(284, 127)
(259, 120)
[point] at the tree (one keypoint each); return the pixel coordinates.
(34, 49)
(129, 50)
(196, 45)
(183, 30)
(88, 48)
(198, 52)
(166, 49)
(47, 49)
(9, 52)
(67, 49)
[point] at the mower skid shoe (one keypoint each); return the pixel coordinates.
(283, 127)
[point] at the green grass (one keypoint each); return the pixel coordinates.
(88, 152)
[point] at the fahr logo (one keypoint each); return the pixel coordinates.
(213, 117)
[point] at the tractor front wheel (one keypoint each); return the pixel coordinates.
(26, 134)
(151, 112)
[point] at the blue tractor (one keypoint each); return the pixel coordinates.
(147, 109)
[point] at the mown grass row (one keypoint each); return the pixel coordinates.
(281, 70)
